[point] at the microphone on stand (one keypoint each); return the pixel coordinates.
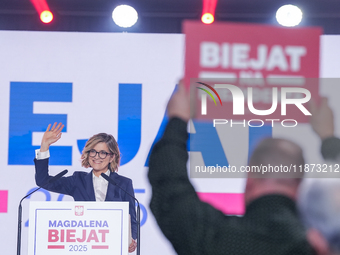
(110, 180)
(53, 179)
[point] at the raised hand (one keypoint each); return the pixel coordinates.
(51, 135)
(322, 119)
(179, 103)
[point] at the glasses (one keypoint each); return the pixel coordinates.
(101, 154)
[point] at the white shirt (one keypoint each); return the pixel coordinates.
(100, 186)
(99, 183)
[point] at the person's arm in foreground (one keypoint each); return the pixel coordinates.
(188, 223)
(322, 122)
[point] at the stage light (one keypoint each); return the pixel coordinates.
(124, 16)
(207, 18)
(43, 10)
(289, 15)
(46, 16)
(208, 12)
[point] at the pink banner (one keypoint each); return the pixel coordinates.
(3, 201)
(258, 57)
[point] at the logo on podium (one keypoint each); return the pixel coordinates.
(79, 210)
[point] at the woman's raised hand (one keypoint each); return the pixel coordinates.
(51, 135)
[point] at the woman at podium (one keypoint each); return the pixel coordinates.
(101, 153)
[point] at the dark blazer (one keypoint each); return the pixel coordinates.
(80, 187)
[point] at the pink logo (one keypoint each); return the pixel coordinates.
(79, 210)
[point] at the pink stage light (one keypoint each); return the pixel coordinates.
(208, 14)
(43, 10)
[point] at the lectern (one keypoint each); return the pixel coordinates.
(92, 228)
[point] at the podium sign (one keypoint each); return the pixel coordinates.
(91, 228)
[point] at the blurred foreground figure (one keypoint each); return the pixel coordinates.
(319, 203)
(270, 224)
(319, 199)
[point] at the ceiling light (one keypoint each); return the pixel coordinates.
(124, 16)
(289, 15)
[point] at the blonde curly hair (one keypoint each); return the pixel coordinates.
(112, 145)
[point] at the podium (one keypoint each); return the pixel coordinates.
(91, 228)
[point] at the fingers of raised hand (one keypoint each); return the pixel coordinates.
(313, 106)
(54, 133)
(182, 89)
(53, 127)
(48, 127)
(57, 129)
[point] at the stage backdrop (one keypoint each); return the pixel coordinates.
(95, 82)
(92, 82)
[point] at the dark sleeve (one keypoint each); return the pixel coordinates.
(190, 225)
(64, 185)
(330, 148)
(132, 209)
(300, 248)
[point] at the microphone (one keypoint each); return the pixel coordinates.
(110, 180)
(53, 179)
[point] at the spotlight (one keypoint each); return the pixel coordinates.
(46, 16)
(43, 10)
(289, 15)
(208, 12)
(207, 18)
(124, 16)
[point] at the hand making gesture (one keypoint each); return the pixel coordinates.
(179, 103)
(51, 136)
(322, 119)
